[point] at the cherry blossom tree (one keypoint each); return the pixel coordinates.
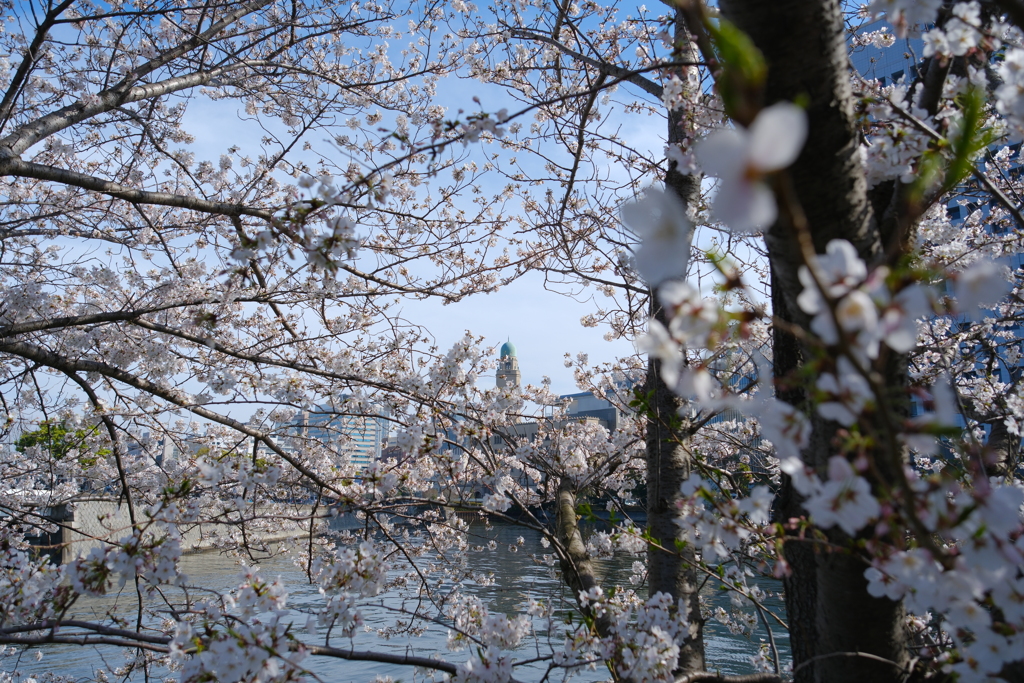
(870, 365)
(143, 284)
(887, 199)
(849, 242)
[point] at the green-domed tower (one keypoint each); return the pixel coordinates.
(508, 366)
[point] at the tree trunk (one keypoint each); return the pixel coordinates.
(668, 466)
(668, 459)
(800, 583)
(804, 44)
(576, 565)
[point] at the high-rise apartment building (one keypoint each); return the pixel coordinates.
(356, 438)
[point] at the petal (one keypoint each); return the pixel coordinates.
(777, 136)
(839, 469)
(745, 206)
(823, 326)
(657, 212)
(837, 412)
(675, 293)
(903, 339)
(914, 301)
(663, 256)
(827, 383)
(723, 153)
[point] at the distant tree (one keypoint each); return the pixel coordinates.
(56, 440)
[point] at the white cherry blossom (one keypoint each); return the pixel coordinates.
(981, 285)
(844, 500)
(849, 392)
(659, 220)
(741, 158)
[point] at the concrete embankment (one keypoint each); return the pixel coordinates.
(99, 522)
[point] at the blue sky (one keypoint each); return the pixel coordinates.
(543, 325)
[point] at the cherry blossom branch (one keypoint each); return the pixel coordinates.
(88, 319)
(126, 638)
(69, 367)
(258, 359)
(29, 59)
(30, 134)
(200, 39)
(54, 624)
(82, 640)
(13, 166)
(863, 655)
(382, 657)
(1007, 203)
(606, 68)
(713, 677)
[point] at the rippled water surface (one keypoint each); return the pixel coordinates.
(516, 577)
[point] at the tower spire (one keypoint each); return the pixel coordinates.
(508, 367)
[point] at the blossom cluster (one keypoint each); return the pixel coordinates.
(243, 637)
(644, 637)
(150, 556)
(493, 634)
(343, 577)
(857, 317)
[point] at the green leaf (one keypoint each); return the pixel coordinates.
(743, 71)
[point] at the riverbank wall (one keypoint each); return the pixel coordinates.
(98, 523)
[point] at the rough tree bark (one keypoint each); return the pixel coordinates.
(669, 461)
(800, 585)
(575, 562)
(803, 42)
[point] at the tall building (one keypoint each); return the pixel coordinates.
(586, 404)
(508, 374)
(883, 61)
(358, 439)
(904, 59)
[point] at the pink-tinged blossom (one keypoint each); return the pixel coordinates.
(864, 313)
(787, 428)
(658, 343)
(693, 317)
(969, 614)
(850, 393)
(805, 482)
(845, 500)
(1000, 510)
(659, 220)
(898, 324)
(757, 506)
(904, 14)
(484, 666)
(699, 385)
(840, 268)
(857, 316)
(882, 585)
(913, 574)
(960, 34)
(935, 43)
(673, 94)
(983, 284)
(741, 158)
(987, 653)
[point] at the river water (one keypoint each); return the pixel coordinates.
(516, 578)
